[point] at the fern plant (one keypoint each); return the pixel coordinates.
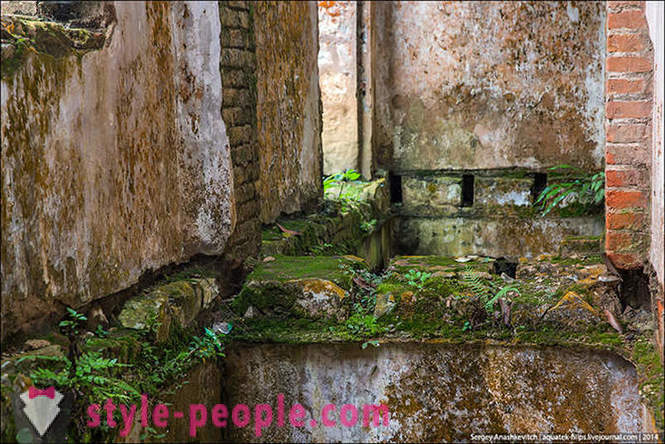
(92, 375)
(590, 190)
(474, 282)
(488, 292)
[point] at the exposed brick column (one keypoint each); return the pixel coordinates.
(628, 124)
(238, 66)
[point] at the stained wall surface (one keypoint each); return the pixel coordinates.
(338, 71)
(434, 392)
(468, 85)
(114, 163)
(288, 110)
(654, 15)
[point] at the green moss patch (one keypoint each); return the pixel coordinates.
(646, 358)
(46, 38)
(285, 268)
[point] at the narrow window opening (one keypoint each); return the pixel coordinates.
(395, 188)
(467, 190)
(539, 184)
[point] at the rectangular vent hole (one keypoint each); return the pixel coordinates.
(467, 190)
(395, 188)
(539, 184)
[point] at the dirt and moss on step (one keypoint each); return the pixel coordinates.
(549, 302)
(297, 286)
(428, 295)
(349, 215)
(22, 36)
(418, 299)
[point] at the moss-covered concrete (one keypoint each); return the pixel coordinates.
(287, 285)
(352, 214)
(26, 35)
(452, 301)
(437, 300)
(116, 161)
(178, 301)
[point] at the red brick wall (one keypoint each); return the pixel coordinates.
(628, 132)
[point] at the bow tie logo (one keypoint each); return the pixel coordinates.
(49, 392)
(41, 407)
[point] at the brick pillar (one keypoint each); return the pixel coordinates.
(238, 65)
(628, 110)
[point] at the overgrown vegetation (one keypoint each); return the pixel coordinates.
(117, 366)
(589, 191)
(341, 180)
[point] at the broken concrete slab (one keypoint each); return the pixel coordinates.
(299, 286)
(177, 302)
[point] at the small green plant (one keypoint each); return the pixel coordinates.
(322, 249)
(342, 178)
(207, 346)
(71, 326)
(100, 332)
(368, 226)
(417, 278)
(588, 190)
(73, 322)
(346, 176)
(489, 305)
(466, 326)
(488, 292)
(363, 325)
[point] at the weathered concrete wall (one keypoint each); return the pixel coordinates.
(338, 77)
(434, 392)
(115, 163)
(19, 7)
(464, 85)
(654, 15)
(495, 237)
(288, 111)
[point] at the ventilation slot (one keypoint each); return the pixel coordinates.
(395, 188)
(467, 190)
(539, 184)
